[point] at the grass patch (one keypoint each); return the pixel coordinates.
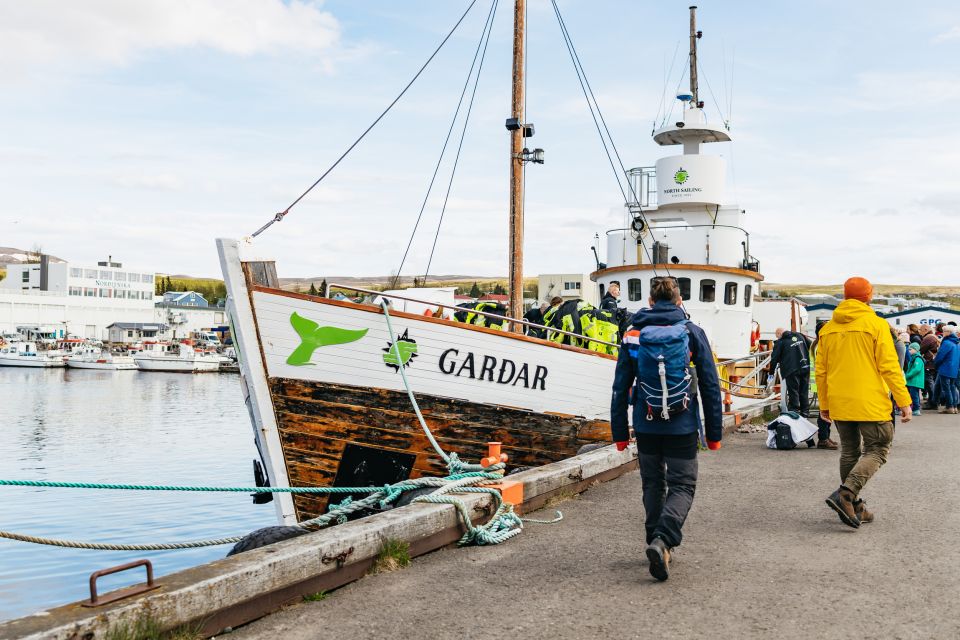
(563, 496)
(394, 554)
(316, 597)
(149, 628)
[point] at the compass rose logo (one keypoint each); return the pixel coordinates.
(681, 176)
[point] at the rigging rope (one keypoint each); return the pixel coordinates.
(453, 122)
(463, 135)
(279, 216)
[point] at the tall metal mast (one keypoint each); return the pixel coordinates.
(516, 167)
(693, 56)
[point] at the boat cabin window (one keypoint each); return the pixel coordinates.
(684, 287)
(634, 289)
(747, 295)
(730, 293)
(708, 290)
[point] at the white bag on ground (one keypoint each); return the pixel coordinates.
(800, 430)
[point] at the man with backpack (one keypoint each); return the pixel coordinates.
(655, 365)
(791, 354)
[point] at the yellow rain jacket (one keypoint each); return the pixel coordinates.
(857, 366)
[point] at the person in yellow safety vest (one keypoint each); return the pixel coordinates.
(467, 314)
(573, 316)
(604, 328)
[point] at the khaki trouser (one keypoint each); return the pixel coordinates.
(864, 447)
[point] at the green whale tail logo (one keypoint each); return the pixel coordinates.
(313, 336)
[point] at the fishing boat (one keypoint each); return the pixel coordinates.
(326, 380)
(91, 357)
(25, 354)
(174, 357)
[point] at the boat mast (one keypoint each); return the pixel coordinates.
(694, 35)
(516, 167)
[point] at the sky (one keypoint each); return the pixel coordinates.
(145, 129)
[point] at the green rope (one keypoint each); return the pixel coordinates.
(152, 487)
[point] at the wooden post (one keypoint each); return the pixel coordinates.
(693, 56)
(516, 169)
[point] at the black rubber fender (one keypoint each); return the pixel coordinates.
(265, 536)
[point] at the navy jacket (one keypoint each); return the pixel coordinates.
(790, 351)
(708, 383)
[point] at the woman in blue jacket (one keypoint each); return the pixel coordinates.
(667, 424)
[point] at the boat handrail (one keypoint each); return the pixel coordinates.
(745, 358)
(434, 303)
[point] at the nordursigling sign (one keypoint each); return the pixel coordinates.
(690, 179)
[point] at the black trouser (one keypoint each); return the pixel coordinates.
(798, 391)
(824, 429)
(668, 469)
(930, 378)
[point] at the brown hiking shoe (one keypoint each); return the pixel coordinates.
(952, 410)
(943, 409)
(658, 553)
(827, 444)
(841, 501)
(861, 508)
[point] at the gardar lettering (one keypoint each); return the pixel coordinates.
(503, 371)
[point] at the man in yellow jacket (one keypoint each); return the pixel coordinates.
(856, 370)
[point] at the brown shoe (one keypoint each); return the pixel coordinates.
(658, 553)
(952, 410)
(827, 444)
(841, 501)
(943, 409)
(861, 508)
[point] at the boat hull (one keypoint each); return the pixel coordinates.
(31, 362)
(103, 366)
(175, 365)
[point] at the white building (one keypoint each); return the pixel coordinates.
(84, 300)
(568, 286)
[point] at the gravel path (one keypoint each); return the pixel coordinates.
(763, 557)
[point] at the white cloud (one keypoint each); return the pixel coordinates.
(159, 182)
(949, 34)
(117, 31)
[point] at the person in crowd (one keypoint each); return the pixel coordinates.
(947, 362)
(901, 347)
(611, 299)
(914, 331)
(928, 349)
(791, 354)
(823, 426)
(857, 370)
(535, 315)
(915, 377)
(666, 429)
(939, 329)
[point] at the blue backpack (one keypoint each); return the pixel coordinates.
(663, 369)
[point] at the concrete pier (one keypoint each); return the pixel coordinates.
(763, 557)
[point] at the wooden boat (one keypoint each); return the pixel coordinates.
(322, 377)
(330, 407)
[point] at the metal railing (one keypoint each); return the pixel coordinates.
(434, 303)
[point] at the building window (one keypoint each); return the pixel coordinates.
(133, 277)
(146, 277)
(898, 320)
(730, 293)
(567, 286)
(747, 294)
(25, 276)
(90, 273)
(89, 292)
(121, 276)
(76, 273)
(708, 291)
(76, 291)
(634, 289)
(106, 275)
(119, 293)
(104, 293)
(130, 334)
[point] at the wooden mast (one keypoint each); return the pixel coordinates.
(693, 57)
(516, 167)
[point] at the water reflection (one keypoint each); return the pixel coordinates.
(126, 427)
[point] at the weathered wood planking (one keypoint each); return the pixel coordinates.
(317, 421)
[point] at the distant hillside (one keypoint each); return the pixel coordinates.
(879, 289)
(12, 255)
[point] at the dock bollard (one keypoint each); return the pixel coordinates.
(494, 456)
(510, 490)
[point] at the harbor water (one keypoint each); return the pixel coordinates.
(117, 427)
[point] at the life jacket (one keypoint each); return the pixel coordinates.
(466, 314)
(605, 328)
(663, 368)
(573, 316)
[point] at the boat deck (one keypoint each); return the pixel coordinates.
(763, 557)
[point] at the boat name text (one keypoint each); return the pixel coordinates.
(507, 373)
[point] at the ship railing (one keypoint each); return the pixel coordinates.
(487, 314)
(750, 381)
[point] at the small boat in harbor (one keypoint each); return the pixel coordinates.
(25, 354)
(95, 358)
(177, 357)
